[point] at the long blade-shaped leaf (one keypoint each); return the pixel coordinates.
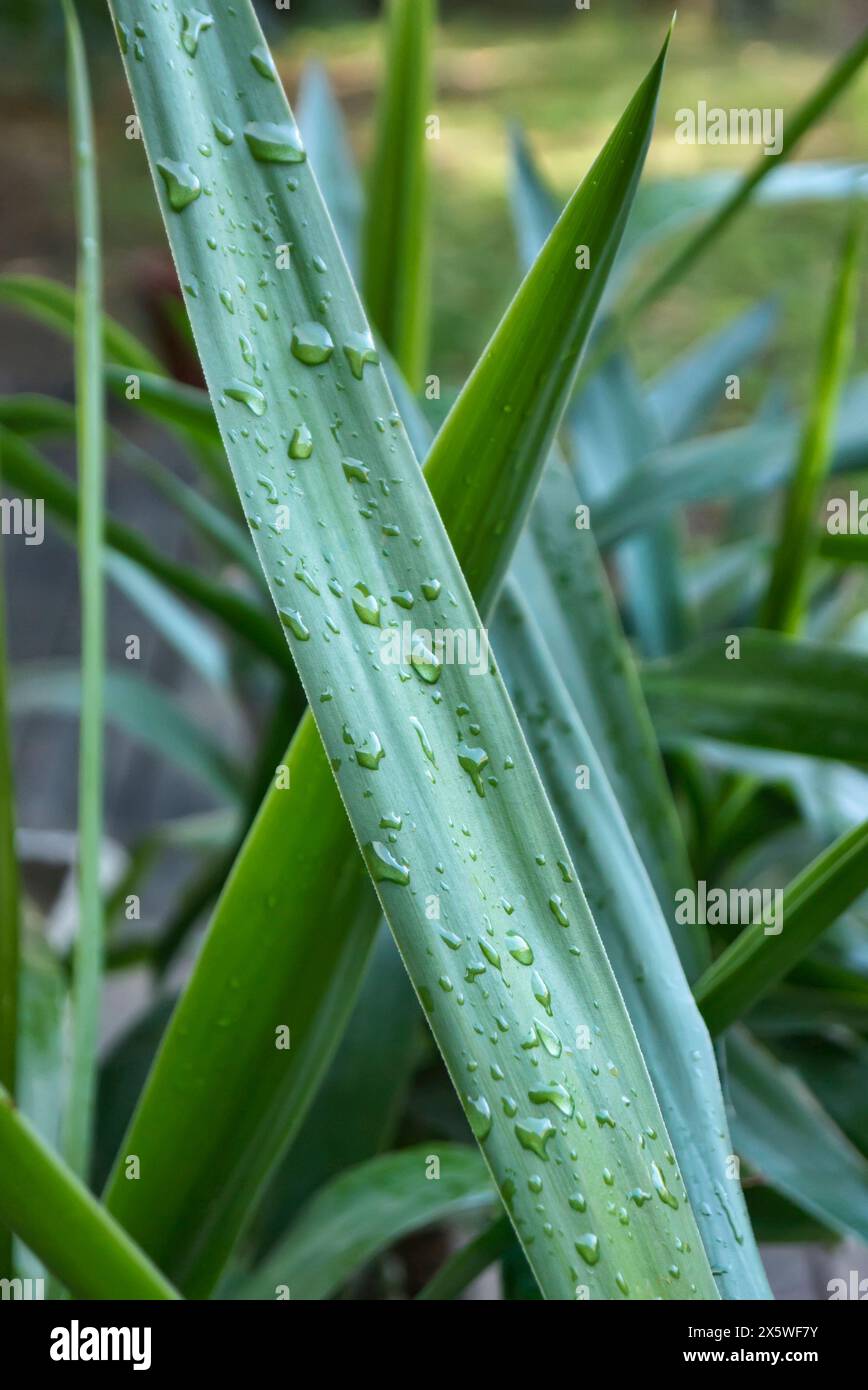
(395, 272)
(143, 710)
(45, 1204)
(402, 753)
(811, 903)
(90, 434)
(364, 1210)
(54, 304)
(785, 600)
(779, 693)
(637, 938)
(780, 1128)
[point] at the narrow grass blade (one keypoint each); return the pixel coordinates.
(54, 304)
(795, 127)
(785, 600)
(10, 910)
(90, 436)
(365, 1210)
(28, 472)
(143, 710)
(469, 1262)
(321, 122)
(795, 696)
(48, 1207)
(392, 722)
(639, 944)
(395, 263)
(756, 960)
(784, 1133)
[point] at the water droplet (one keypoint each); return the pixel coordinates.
(533, 1134)
(301, 444)
(355, 471)
(273, 142)
(291, 618)
(248, 395)
(383, 867)
(225, 134)
(667, 1198)
(390, 820)
(193, 25)
(312, 343)
(366, 605)
(556, 905)
(473, 761)
(182, 184)
(520, 951)
(479, 1115)
(431, 588)
(371, 753)
(425, 662)
(423, 739)
(263, 62)
(359, 349)
(554, 1094)
(541, 992)
(577, 1201)
(588, 1246)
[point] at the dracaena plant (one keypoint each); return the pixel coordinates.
(449, 858)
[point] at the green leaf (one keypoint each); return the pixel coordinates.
(77, 1136)
(322, 125)
(143, 710)
(785, 599)
(372, 706)
(54, 304)
(637, 937)
(395, 263)
(781, 1129)
(43, 1201)
(365, 1210)
(469, 1262)
(28, 472)
(559, 568)
(758, 958)
(780, 693)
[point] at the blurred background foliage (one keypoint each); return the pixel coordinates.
(497, 62)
